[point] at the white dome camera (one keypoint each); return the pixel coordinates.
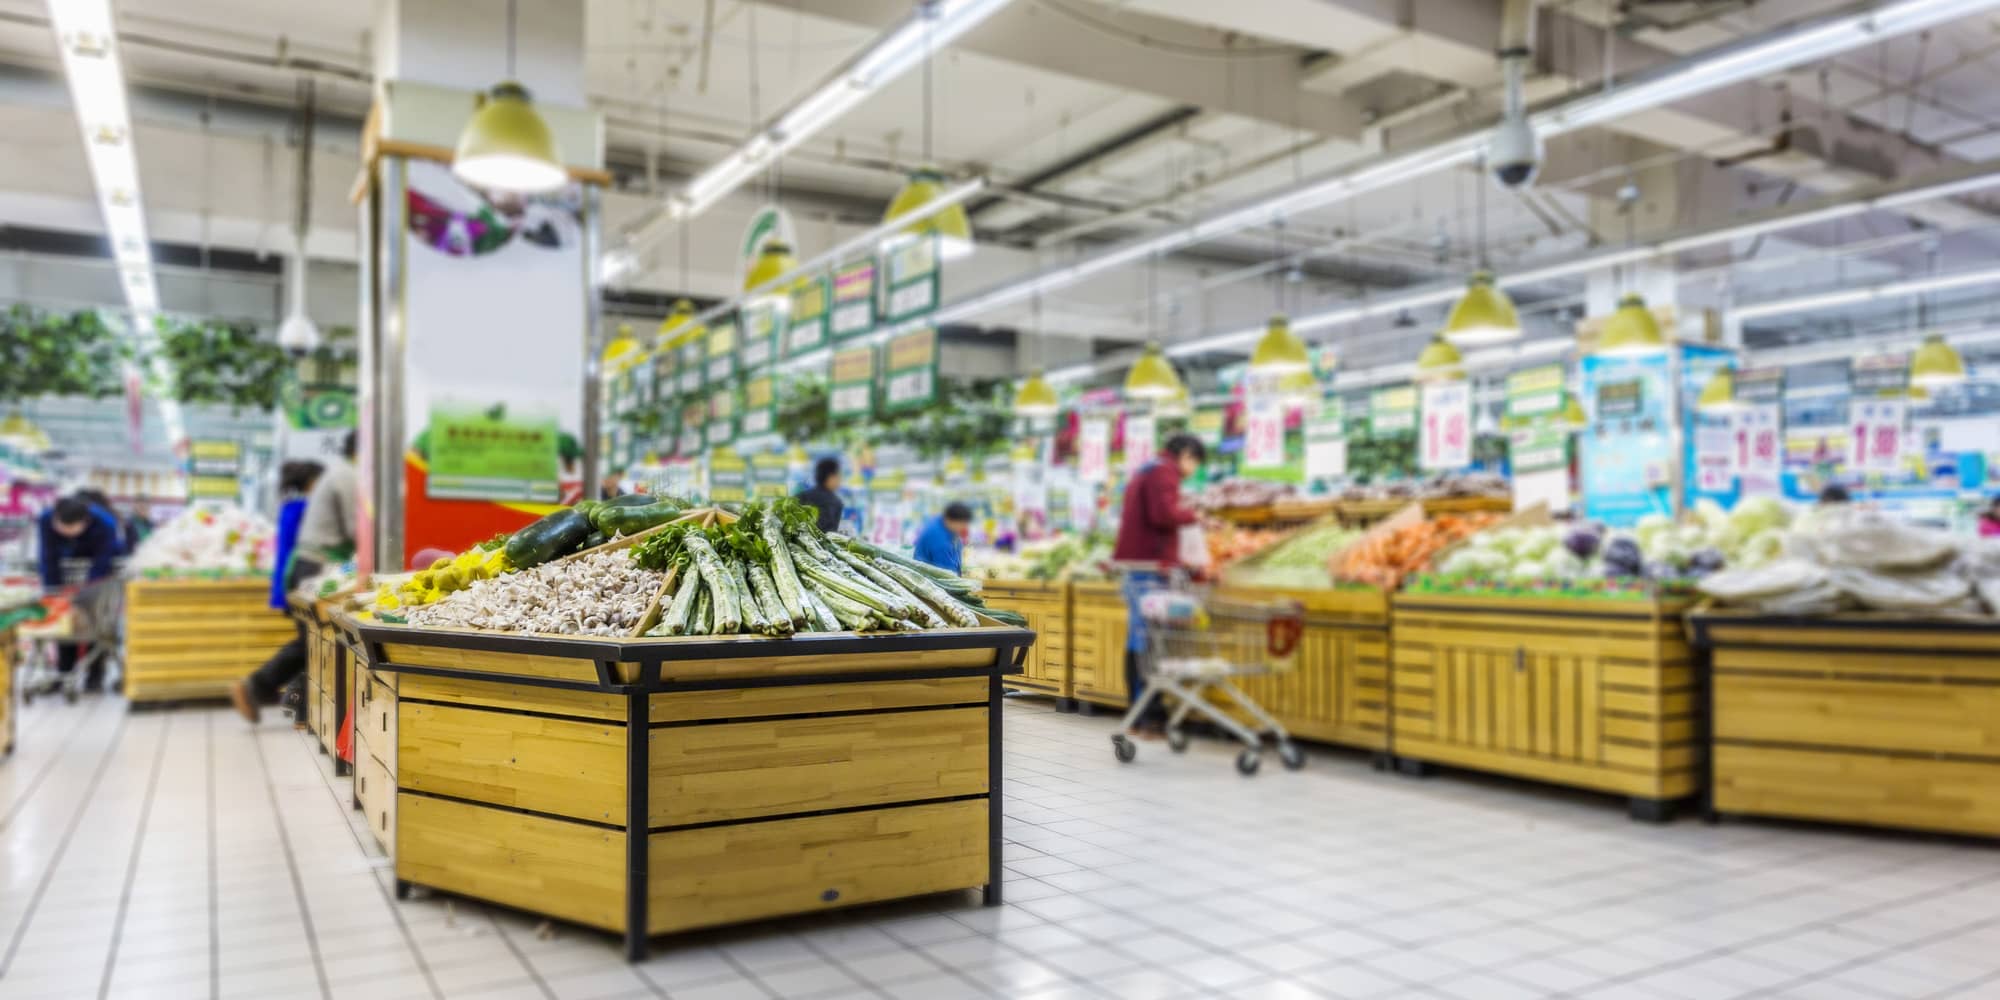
(1515, 152)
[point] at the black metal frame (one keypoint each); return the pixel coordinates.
(1009, 645)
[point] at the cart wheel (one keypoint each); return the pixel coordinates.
(1291, 756)
(27, 697)
(69, 696)
(1247, 762)
(1124, 748)
(1177, 740)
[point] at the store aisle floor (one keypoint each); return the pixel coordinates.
(181, 854)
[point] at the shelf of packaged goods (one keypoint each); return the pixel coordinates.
(1338, 690)
(1862, 719)
(1595, 694)
(188, 639)
(1046, 606)
(775, 777)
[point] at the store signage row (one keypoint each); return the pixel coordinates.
(852, 383)
(910, 375)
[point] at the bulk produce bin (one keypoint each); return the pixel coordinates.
(1098, 627)
(1338, 692)
(8, 656)
(1592, 693)
(189, 638)
(774, 776)
(326, 674)
(1046, 606)
(1861, 718)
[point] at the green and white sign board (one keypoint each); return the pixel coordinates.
(806, 331)
(1393, 410)
(488, 454)
(770, 473)
(760, 407)
(760, 337)
(910, 370)
(1534, 393)
(720, 365)
(851, 390)
(853, 300)
(721, 428)
(913, 279)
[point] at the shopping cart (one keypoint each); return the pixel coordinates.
(88, 617)
(1193, 643)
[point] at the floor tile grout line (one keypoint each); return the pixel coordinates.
(54, 759)
(535, 974)
(132, 864)
(292, 867)
(1882, 952)
(214, 892)
(62, 847)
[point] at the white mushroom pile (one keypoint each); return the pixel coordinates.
(603, 593)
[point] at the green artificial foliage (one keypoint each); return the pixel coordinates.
(967, 419)
(60, 354)
(803, 409)
(222, 363)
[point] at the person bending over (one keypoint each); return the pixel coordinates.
(941, 543)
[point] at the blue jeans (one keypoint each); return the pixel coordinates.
(1138, 584)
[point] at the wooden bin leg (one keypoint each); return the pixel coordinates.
(638, 810)
(994, 874)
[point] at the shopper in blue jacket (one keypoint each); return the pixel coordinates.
(942, 541)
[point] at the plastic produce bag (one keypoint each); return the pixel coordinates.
(1193, 547)
(1822, 598)
(1901, 591)
(1747, 586)
(1870, 540)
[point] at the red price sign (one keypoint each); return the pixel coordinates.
(1264, 436)
(1759, 449)
(1876, 440)
(1446, 428)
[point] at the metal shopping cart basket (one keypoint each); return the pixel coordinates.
(1193, 645)
(90, 619)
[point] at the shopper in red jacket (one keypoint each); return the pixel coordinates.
(1149, 531)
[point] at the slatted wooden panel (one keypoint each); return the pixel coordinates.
(1598, 695)
(1876, 722)
(811, 699)
(1046, 606)
(570, 871)
(191, 638)
(1098, 630)
(375, 790)
(7, 720)
(562, 767)
(1339, 690)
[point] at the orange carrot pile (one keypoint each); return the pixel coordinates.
(1384, 558)
(1228, 543)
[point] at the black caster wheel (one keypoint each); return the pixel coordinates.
(69, 697)
(1177, 740)
(27, 698)
(1247, 762)
(1124, 748)
(1291, 756)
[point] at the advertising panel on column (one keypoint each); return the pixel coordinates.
(1627, 452)
(1709, 471)
(494, 311)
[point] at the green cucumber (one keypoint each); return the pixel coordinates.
(632, 520)
(553, 535)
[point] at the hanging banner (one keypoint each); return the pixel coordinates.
(1140, 432)
(1093, 450)
(317, 421)
(1538, 448)
(1208, 426)
(721, 429)
(485, 453)
(694, 421)
(1535, 392)
(692, 360)
(759, 336)
(1326, 441)
(1627, 456)
(851, 390)
(720, 366)
(770, 473)
(1760, 430)
(887, 508)
(913, 279)
(760, 406)
(1263, 433)
(1877, 439)
(728, 477)
(1708, 465)
(807, 331)
(1393, 411)
(1445, 440)
(910, 370)
(853, 300)
(1715, 454)
(215, 469)
(1879, 374)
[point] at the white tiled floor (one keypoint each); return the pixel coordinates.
(180, 854)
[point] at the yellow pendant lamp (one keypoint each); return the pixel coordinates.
(1036, 397)
(1280, 352)
(773, 262)
(1573, 416)
(1297, 388)
(1919, 394)
(678, 328)
(1152, 377)
(621, 351)
(951, 226)
(1631, 330)
(507, 146)
(1719, 395)
(1440, 362)
(1936, 363)
(1484, 315)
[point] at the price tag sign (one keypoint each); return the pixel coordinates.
(720, 366)
(808, 317)
(853, 300)
(913, 279)
(1446, 438)
(1208, 425)
(1535, 392)
(1393, 411)
(693, 356)
(760, 337)
(1093, 450)
(1326, 455)
(1538, 448)
(728, 477)
(1880, 374)
(1140, 432)
(1760, 385)
(1876, 443)
(721, 417)
(759, 407)
(694, 418)
(1759, 449)
(1621, 400)
(1715, 454)
(852, 385)
(1264, 434)
(770, 473)
(911, 371)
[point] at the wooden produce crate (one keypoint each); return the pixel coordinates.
(1098, 627)
(8, 724)
(1861, 718)
(1339, 690)
(372, 711)
(1596, 694)
(645, 786)
(1046, 606)
(1366, 512)
(190, 638)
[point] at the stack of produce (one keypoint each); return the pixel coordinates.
(1446, 486)
(1388, 553)
(598, 593)
(1844, 558)
(485, 561)
(1236, 493)
(1300, 562)
(1229, 543)
(773, 572)
(329, 582)
(207, 541)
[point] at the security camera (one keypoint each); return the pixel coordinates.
(1515, 154)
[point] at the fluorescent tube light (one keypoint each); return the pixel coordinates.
(1871, 293)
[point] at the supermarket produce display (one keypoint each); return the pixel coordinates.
(208, 540)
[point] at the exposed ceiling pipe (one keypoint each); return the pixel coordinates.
(298, 333)
(1515, 154)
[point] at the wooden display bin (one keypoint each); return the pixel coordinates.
(1862, 719)
(188, 639)
(1596, 694)
(8, 724)
(1098, 626)
(1046, 606)
(1339, 690)
(1363, 513)
(326, 675)
(653, 785)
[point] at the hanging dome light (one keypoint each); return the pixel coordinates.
(1036, 397)
(1719, 395)
(1573, 416)
(674, 330)
(1919, 394)
(1280, 352)
(1152, 377)
(1440, 362)
(773, 262)
(1631, 330)
(951, 226)
(1484, 315)
(1936, 363)
(507, 146)
(622, 349)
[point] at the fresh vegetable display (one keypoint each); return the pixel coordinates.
(1844, 558)
(1446, 486)
(1301, 561)
(207, 541)
(486, 561)
(1228, 543)
(1063, 558)
(1388, 553)
(599, 593)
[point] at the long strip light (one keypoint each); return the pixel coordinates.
(1719, 67)
(1867, 293)
(87, 41)
(1970, 335)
